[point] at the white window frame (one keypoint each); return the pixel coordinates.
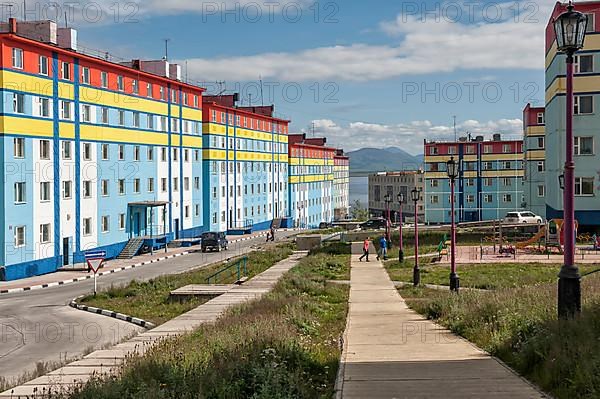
(17, 58)
(576, 107)
(579, 185)
(20, 236)
(577, 145)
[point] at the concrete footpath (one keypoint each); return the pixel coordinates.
(391, 351)
(109, 361)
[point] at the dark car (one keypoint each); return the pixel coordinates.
(373, 224)
(213, 241)
(325, 225)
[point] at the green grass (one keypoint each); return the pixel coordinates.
(285, 346)
(151, 300)
(332, 261)
(519, 326)
(483, 276)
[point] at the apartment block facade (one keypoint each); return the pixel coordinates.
(534, 154)
(585, 121)
(341, 185)
(245, 166)
(392, 184)
(311, 181)
(489, 183)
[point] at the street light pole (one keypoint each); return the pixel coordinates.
(401, 243)
(416, 271)
(388, 201)
(452, 170)
(570, 29)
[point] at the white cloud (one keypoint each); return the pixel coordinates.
(408, 136)
(424, 47)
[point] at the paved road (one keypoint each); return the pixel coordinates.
(38, 326)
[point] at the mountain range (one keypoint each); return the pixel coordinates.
(369, 160)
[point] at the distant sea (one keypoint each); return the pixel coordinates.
(359, 190)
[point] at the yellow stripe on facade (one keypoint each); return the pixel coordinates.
(192, 114)
(66, 130)
(27, 126)
(27, 83)
(436, 175)
(502, 173)
(592, 43)
(112, 99)
(106, 133)
(535, 155)
(310, 179)
(581, 84)
(502, 157)
(532, 131)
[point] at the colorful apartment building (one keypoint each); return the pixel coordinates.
(489, 184)
(585, 121)
(94, 153)
(311, 180)
(245, 166)
(534, 155)
(393, 183)
(341, 185)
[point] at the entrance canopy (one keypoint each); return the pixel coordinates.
(141, 218)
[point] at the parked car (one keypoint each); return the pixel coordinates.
(373, 224)
(325, 225)
(213, 241)
(522, 217)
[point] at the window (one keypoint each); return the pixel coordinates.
(121, 221)
(121, 184)
(104, 188)
(66, 149)
(584, 146)
(45, 191)
(452, 150)
(186, 155)
(163, 184)
(87, 152)
(87, 226)
(488, 165)
(162, 92)
(121, 118)
(43, 65)
(591, 26)
(434, 199)
(19, 147)
(67, 186)
(86, 112)
(584, 63)
(541, 166)
(584, 186)
(19, 236)
(44, 107)
(470, 182)
(136, 153)
(66, 71)
(197, 211)
(506, 148)
(507, 181)
(45, 233)
(17, 58)
(186, 183)
(136, 186)
(150, 122)
(488, 198)
(176, 184)
(20, 195)
(175, 154)
(105, 115)
(85, 75)
(488, 149)
(507, 198)
(541, 143)
(163, 154)
(583, 105)
(136, 119)
(120, 83)
(434, 183)
(149, 89)
(186, 211)
(433, 150)
(87, 189)
(507, 165)
(150, 184)
(104, 79)
(470, 198)
(105, 152)
(197, 183)
(66, 110)
(541, 191)
(540, 118)
(18, 103)
(150, 154)
(135, 86)
(121, 152)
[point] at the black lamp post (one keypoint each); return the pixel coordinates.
(401, 241)
(388, 201)
(452, 170)
(416, 197)
(570, 29)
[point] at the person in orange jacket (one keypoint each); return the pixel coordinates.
(365, 249)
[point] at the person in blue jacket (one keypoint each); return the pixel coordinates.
(382, 248)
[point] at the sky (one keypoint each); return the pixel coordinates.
(374, 73)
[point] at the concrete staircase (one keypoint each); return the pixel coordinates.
(131, 249)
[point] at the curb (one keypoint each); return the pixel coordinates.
(120, 269)
(109, 313)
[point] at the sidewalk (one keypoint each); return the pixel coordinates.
(391, 351)
(66, 276)
(109, 361)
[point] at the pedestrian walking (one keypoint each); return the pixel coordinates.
(272, 233)
(365, 249)
(382, 248)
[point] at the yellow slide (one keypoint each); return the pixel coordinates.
(533, 240)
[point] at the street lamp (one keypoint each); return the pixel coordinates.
(388, 201)
(416, 197)
(452, 170)
(401, 243)
(570, 29)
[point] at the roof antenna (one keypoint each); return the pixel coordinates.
(167, 49)
(454, 127)
(66, 20)
(250, 99)
(24, 10)
(262, 98)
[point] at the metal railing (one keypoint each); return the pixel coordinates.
(240, 266)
